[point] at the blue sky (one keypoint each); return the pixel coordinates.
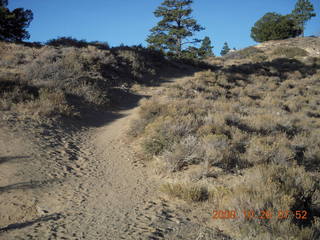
(129, 21)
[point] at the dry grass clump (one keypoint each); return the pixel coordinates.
(13, 92)
(184, 153)
(250, 52)
(13, 55)
(290, 52)
(137, 62)
(270, 149)
(186, 191)
(51, 103)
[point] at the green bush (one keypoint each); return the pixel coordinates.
(67, 42)
(273, 26)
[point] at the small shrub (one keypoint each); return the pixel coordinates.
(184, 153)
(150, 109)
(269, 149)
(91, 93)
(137, 127)
(67, 42)
(12, 93)
(51, 103)
(249, 52)
(290, 52)
(216, 194)
(161, 136)
(306, 146)
(216, 148)
(188, 191)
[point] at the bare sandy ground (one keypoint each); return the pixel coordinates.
(86, 183)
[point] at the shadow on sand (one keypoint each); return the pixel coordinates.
(54, 217)
(12, 158)
(28, 185)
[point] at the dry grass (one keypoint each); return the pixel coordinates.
(188, 192)
(81, 76)
(215, 111)
(290, 52)
(273, 188)
(34, 102)
(250, 52)
(259, 120)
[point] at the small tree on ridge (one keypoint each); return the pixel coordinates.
(206, 48)
(225, 49)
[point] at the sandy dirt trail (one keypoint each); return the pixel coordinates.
(83, 184)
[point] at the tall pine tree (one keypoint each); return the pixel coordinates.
(302, 13)
(175, 28)
(206, 49)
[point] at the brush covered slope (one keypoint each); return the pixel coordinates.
(244, 138)
(299, 48)
(47, 82)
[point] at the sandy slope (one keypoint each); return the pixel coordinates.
(71, 183)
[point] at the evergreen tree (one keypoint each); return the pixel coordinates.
(303, 12)
(190, 52)
(273, 26)
(13, 24)
(225, 49)
(175, 28)
(206, 49)
(3, 3)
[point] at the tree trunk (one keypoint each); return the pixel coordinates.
(179, 47)
(179, 40)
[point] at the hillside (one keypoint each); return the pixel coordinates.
(243, 139)
(43, 82)
(300, 48)
(310, 44)
(124, 143)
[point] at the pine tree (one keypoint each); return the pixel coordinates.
(274, 26)
(3, 3)
(190, 53)
(206, 49)
(175, 28)
(303, 12)
(13, 24)
(225, 49)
